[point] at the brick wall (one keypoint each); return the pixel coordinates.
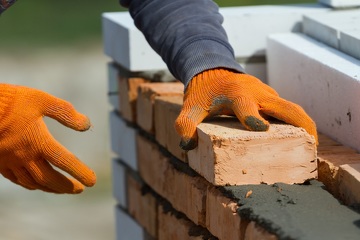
(236, 184)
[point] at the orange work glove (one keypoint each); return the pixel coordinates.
(27, 149)
(221, 91)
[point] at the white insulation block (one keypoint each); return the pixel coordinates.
(119, 182)
(324, 81)
(126, 227)
(341, 3)
(123, 140)
(113, 89)
(338, 29)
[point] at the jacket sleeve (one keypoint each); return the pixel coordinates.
(187, 34)
(5, 4)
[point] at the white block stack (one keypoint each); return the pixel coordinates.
(341, 3)
(338, 29)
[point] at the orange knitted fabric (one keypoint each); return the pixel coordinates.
(28, 151)
(220, 91)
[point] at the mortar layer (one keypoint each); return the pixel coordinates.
(301, 212)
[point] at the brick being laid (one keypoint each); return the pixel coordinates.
(228, 154)
(324, 81)
(147, 92)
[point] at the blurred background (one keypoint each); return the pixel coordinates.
(56, 46)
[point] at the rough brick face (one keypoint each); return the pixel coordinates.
(128, 96)
(147, 92)
(186, 193)
(227, 154)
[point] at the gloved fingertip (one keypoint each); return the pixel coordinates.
(83, 123)
(78, 190)
(255, 124)
(90, 180)
(188, 144)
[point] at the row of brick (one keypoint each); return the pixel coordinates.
(224, 146)
(202, 203)
(221, 165)
(173, 180)
(145, 215)
(205, 209)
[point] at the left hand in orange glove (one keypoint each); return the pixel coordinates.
(27, 149)
(221, 91)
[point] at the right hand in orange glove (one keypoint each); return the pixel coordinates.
(27, 149)
(221, 91)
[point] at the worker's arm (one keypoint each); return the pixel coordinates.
(5, 4)
(28, 152)
(189, 37)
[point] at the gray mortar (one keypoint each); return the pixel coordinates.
(306, 212)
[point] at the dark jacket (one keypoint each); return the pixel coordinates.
(5, 4)
(187, 34)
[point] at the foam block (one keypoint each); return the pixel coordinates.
(324, 81)
(113, 90)
(123, 140)
(341, 3)
(338, 29)
(119, 182)
(127, 228)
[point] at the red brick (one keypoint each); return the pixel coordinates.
(222, 219)
(146, 99)
(173, 226)
(227, 154)
(142, 205)
(349, 183)
(186, 193)
(167, 109)
(338, 169)
(128, 95)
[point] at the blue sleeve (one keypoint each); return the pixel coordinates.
(187, 34)
(5, 4)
